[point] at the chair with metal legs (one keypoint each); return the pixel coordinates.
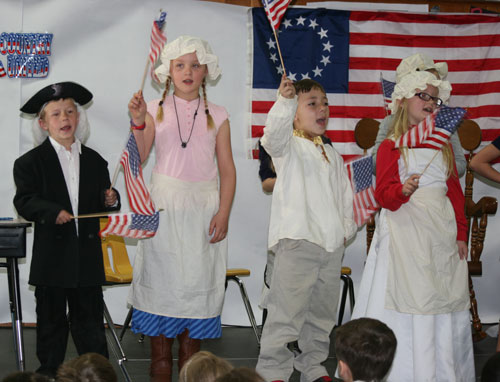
(232, 274)
(348, 287)
(117, 272)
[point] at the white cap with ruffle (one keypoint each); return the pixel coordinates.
(420, 62)
(417, 81)
(184, 45)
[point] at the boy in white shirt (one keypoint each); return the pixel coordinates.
(311, 219)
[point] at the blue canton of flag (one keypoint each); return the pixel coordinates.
(161, 20)
(449, 118)
(145, 222)
(362, 170)
(321, 37)
(387, 90)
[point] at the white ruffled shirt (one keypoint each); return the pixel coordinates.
(312, 198)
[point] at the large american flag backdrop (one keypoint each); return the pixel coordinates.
(348, 51)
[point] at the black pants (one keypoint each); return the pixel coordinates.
(85, 321)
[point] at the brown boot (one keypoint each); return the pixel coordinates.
(161, 359)
(187, 347)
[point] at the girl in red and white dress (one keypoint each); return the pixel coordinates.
(415, 277)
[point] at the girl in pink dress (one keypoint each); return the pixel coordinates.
(179, 275)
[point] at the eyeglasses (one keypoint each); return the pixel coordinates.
(428, 97)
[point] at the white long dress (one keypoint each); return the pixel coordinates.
(415, 282)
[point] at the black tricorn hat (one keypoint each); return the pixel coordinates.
(54, 92)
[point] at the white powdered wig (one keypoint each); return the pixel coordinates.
(82, 130)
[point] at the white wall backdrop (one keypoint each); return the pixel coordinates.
(103, 45)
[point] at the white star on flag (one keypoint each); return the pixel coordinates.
(325, 60)
(271, 43)
(305, 75)
(317, 72)
(300, 20)
(273, 57)
(291, 76)
(327, 46)
(313, 24)
(287, 23)
(323, 33)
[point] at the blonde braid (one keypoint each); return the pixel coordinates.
(210, 120)
(159, 113)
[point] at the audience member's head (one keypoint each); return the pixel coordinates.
(491, 369)
(203, 367)
(241, 374)
(25, 376)
(90, 367)
(365, 349)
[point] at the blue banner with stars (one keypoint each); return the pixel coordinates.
(314, 44)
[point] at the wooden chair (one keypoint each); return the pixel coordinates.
(365, 134)
(476, 213)
(477, 218)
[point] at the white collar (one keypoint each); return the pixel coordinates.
(58, 147)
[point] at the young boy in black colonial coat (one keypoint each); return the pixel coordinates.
(59, 179)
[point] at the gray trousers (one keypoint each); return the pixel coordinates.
(302, 305)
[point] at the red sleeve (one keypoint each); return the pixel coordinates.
(389, 189)
(456, 196)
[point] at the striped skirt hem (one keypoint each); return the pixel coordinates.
(153, 325)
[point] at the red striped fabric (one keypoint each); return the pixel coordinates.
(138, 195)
(131, 225)
(158, 40)
(470, 44)
(275, 9)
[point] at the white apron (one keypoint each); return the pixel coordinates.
(425, 274)
(431, 347)
(178, 273)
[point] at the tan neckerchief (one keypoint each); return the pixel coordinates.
(316, 140)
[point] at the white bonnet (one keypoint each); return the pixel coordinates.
(410, 84)
(184, 45)
(82, 131)
(420, 62)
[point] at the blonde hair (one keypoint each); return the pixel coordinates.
(400, 125)
(159, 113)
(82, 131)
(204, 367)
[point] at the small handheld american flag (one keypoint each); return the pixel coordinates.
(387, 90)
(275, 9)
(131, 225)
(360, 175)
(434, 131)
(158, 40)
(138, 195)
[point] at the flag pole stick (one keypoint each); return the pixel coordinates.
(279, 51)
(94, 215)
(428, 164)
(115, 176)
(145, 74)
